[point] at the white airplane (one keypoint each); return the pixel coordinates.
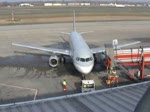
(80, 53)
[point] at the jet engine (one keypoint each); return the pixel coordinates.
(53, 61)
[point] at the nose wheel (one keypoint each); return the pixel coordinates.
(83, 77)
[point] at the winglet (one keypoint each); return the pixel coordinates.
(74, 27)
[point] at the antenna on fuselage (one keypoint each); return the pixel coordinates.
(74, 21)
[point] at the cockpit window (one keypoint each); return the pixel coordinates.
(84, 59)
(87, 59)
(91, 58)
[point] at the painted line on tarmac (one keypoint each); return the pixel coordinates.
(20, 87)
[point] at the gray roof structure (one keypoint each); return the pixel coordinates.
(118, 99)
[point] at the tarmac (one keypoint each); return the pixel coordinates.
(40, 14)
(25, 72)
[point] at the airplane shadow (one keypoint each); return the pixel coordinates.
(36, 66)
(36, 63)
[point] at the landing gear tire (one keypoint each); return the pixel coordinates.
(83, 77)
(62, 60)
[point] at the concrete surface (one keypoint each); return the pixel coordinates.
(43, 14)
(29, 68)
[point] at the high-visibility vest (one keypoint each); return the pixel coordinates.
(64, 83)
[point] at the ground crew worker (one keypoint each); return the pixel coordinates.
(108, 82)
(109, 77)
(113, 81)
(64, 84)
(116, 77)
(108, 64)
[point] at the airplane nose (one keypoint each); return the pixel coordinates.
(85, 70)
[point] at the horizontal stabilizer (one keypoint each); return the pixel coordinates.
(86, 32)
(65, 33)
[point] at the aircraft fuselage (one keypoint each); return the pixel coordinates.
(81, 54)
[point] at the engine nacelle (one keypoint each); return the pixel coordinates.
(53, 61)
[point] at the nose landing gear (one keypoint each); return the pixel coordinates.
(83, 77)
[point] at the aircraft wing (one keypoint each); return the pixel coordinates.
(102, 49)
(53, 50)
(97, 50)
(128, 44)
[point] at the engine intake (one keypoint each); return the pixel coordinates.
(53, 61)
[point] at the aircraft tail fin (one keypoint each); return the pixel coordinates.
(74, 21)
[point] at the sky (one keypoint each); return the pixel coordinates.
(74, 0)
